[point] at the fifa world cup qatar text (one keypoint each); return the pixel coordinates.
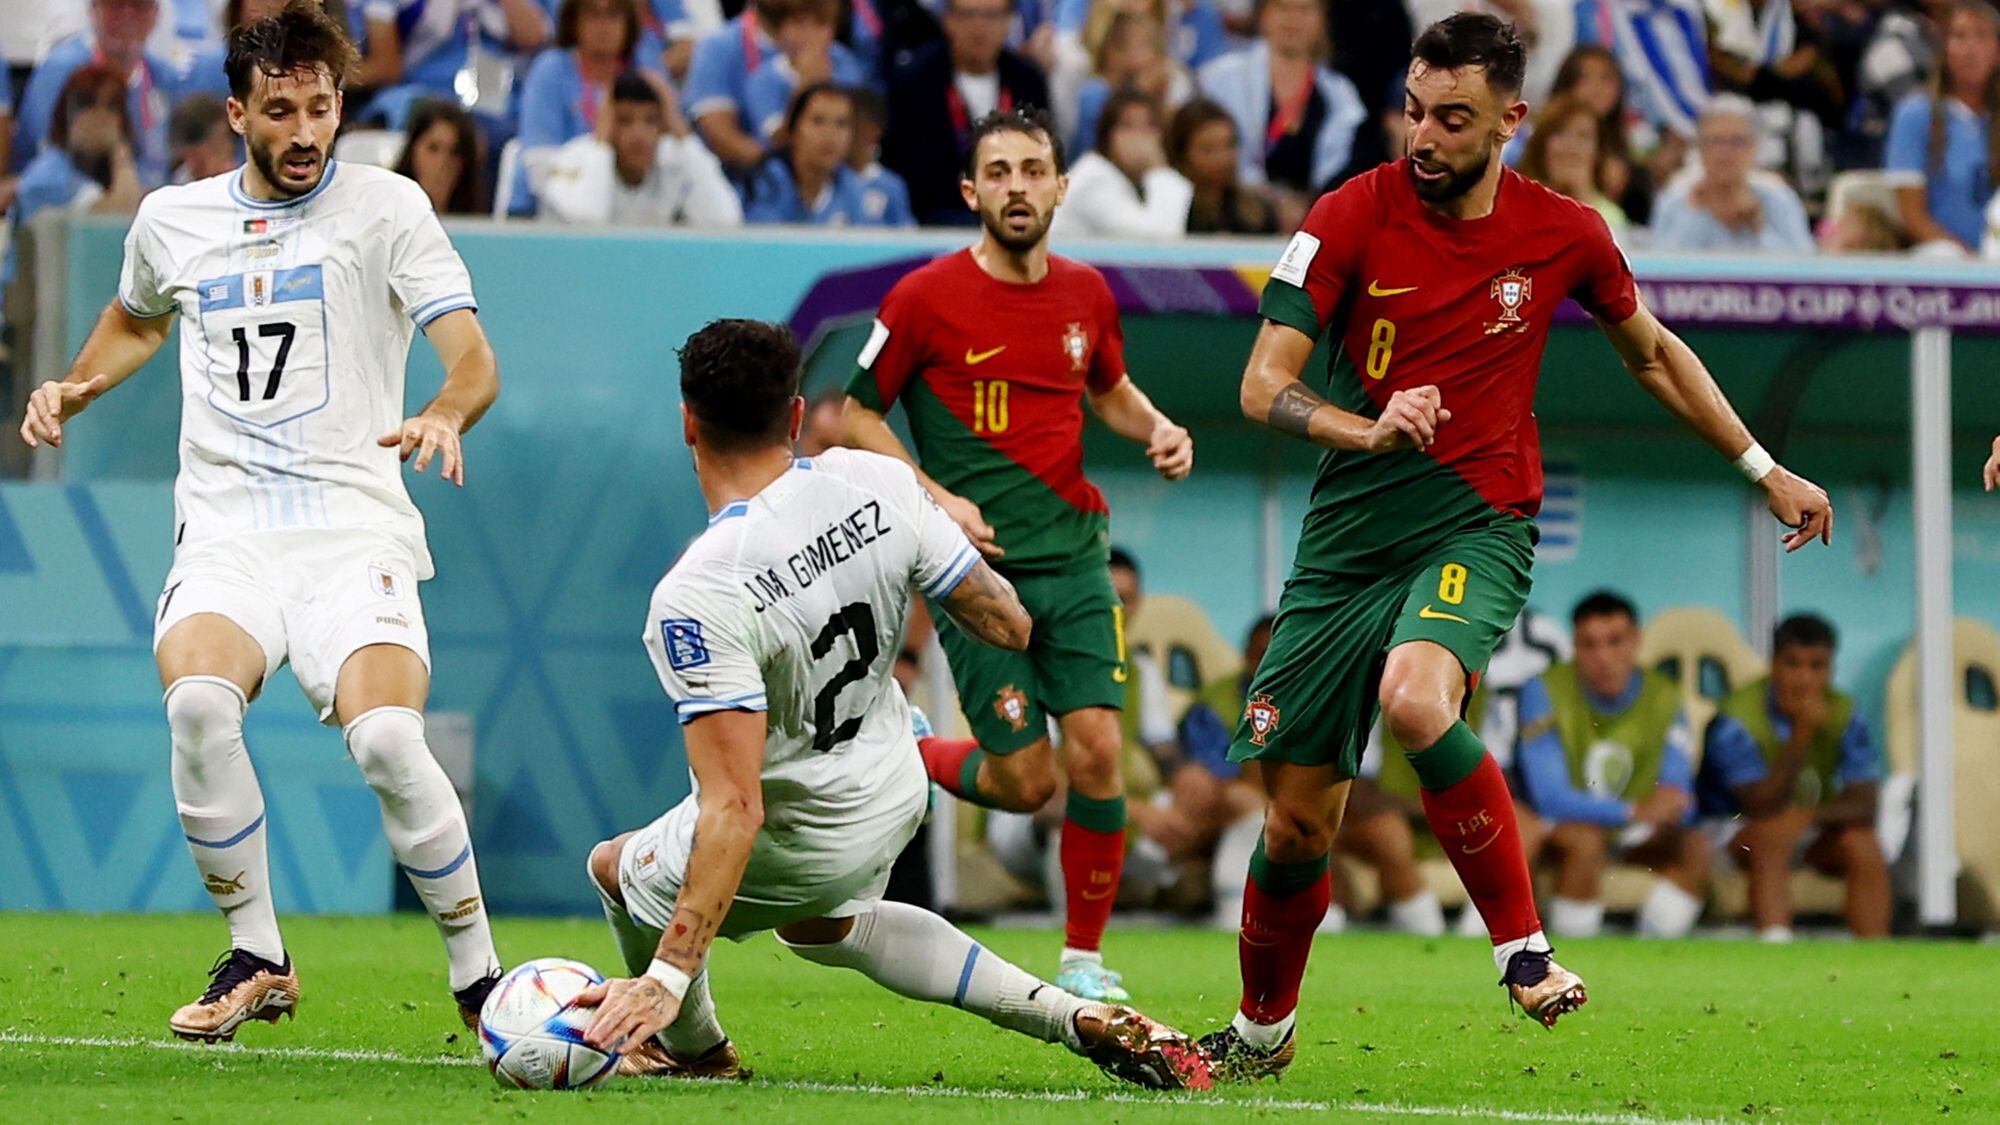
(1435, 279)
(297, 283)
(776, 635)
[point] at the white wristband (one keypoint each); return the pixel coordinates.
(1755, 463)
(671, 976)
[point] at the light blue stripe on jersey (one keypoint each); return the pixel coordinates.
(691, 709)
(300, 283)
(729, 511)
(242, 197)
(426, 313)
(961, 565)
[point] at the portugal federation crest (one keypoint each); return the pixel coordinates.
(1076, 345)
(1512, 289)
(1262, 715)
(1012, 707)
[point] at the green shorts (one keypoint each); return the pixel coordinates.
(1075, 659)
(1314, 698)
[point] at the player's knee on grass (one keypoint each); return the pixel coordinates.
(604, 866)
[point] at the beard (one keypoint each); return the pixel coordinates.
(269, 161)
(1457, 180)
(1015, 242)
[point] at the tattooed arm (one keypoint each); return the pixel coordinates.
(1274, 396)
(985, 605)
(726, 752)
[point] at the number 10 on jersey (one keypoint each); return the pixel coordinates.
(989, 406)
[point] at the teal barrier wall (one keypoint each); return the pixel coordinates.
(579, 495)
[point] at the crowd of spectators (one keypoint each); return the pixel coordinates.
(1606, 765)
(1689, 124)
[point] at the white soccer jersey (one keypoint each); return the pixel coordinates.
(295, 320)
(793, 602)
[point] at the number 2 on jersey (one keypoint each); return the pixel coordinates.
(1381, 345)
(858, 619)
(989, 406)
(285, 331)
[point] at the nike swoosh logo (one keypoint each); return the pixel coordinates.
(974, 359)
(1100, 896)
(1375, 290)
(1429, 614)
(1489, 843)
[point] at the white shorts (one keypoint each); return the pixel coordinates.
(312, 596)
(817, 875)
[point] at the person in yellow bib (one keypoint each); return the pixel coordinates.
(1789, 772)
(1606, 768)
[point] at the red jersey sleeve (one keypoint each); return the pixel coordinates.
(1313, 273)
(1107, 363)
(895, 350)
(1604, 286)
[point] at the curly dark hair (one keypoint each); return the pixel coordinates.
(300, 38)
(1032, 121)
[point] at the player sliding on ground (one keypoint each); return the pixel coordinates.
(297, 283)
(991, 351)
(1437, 277)
(776, 635)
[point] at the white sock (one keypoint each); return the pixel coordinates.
(1536, 942)
(1469, 923)
(1334, 921)
(1573, 918)
(1669, 912)
(222, 808)
(638, 943)
(1069, 955)
(427, 833)
(917, 954)
(1421, 914)
(1263, 1036)
(695, 1031)
(1775, 935)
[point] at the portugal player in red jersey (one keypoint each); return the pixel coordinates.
(992, 352)
(1437, 277)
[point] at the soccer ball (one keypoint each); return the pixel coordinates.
(533, 1038)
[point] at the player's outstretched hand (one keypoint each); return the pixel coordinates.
(53, 403)
(966, 515)
(1171, 449)
(1411, 418)
(1800, 505)
(429, 436)
(629, 1012)
(1993, 467)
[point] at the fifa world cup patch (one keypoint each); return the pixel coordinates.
(683, 640)
(1012, 707)
(1262, 715)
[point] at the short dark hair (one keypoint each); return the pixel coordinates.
(631, 86)
(869, 106)
(194, 120)
(1475, 39)
(739, 378)
(1114, 108)
(570, 13)
(302, 37)
(1603, 603)
(1032, 121)
(1122, 559)
(1803, 630)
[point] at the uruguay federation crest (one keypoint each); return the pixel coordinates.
(1512, 289)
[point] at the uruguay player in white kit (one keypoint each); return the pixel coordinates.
(776, 635)
(297, 284)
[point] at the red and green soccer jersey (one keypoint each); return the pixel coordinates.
(1412, 298)
(991, 375)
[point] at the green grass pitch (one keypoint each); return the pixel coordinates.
(1393, 1029)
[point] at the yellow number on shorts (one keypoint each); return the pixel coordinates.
(1451, 584)
(1118, 626)
(989, 406)
(1381, 345)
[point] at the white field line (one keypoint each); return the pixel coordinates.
(1283, 1105)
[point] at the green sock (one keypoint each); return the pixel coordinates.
(1099, 814)
(1282, 880)
(968, 779)
(1449, 760)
